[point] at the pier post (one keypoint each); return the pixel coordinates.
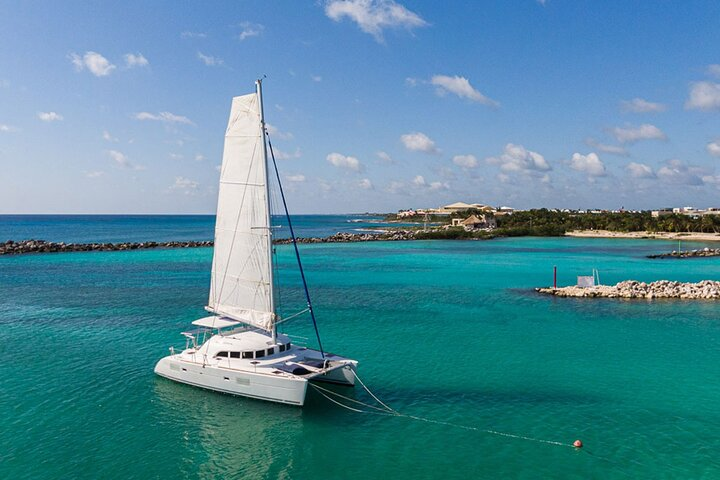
(555, 276)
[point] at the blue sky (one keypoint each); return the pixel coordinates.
(120, 107)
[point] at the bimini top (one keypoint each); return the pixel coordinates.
(215, 322)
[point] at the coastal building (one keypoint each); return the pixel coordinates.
(474, 222)
(462, 206)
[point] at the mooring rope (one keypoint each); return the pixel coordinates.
(387, 411)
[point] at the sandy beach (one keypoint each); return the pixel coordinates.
(692, 236)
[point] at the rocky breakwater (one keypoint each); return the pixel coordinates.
(41, 246)
(346, 237)
(703, 252)
(704, 290)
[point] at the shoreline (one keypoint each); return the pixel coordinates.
(687, 236)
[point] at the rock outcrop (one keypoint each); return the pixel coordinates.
(705, 290)
(41, 246)
(703, 252)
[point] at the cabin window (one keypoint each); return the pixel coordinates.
(260, 353)
(288, 346)
(234, 354)
(282, 348)
(271, 350)
(221, 354)
(247, 354)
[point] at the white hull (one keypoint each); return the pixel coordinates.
(279, 377)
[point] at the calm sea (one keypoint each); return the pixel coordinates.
(444, 330)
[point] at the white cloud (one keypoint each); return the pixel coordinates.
(209, 60)
(132, 60)
(7, 128)
(175, 156)
(631, 134)
(713, 148)
(107, 137)
(165, 117)
(200, 158)
(465, 161)
(122, 161)
(342, 161)
(640, 170)
(704, 96)
(50, 116)
(590, 164)
(396, 187)
(277, 133)
(461, 87)
(385, 157)
(714, 70)
(373, 16)
(296, 178)
(282, 155)
(94, 62)
(94, 174)
(316, 78)
(435, 186)
(188, 34)
(418, 142)
(639, 105)
(185, 185)
(516, 158)
(250, 30)
(677, 173)
(365, 184)
(419, 181)
(611, 149)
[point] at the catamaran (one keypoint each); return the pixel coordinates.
(238, 349)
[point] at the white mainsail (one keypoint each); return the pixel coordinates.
(241, 285)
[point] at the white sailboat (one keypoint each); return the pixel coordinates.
(238, 350)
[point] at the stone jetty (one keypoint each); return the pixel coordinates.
(345, 237)
(704, 290)
(703, 252)
(41, 246)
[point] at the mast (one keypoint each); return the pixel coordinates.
(258, 85)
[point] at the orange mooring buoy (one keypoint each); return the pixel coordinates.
(577, 444)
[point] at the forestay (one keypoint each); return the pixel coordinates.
(241, 285)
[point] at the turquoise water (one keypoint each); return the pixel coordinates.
(450, 331)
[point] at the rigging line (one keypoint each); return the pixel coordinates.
(291, 316)
(294, 241)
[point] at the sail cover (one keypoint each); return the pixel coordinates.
(241, 284)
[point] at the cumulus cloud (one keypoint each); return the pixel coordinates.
(94, 62)
(465, 161)
(714, 70)
(135, 60)
(341, 161)
(7, 128)
(639, 105)
(200, 157)
(640, 170)
(517, 159)
(418, 142)
(250, 30)
(703, 96)
(282, 155)
(122, 161)
(385, 157)
(94, 174)
(277, 133)
(461, 87)
(611, 149)
(185, 185)
(677, 173)
(189, 34)
(299, 178)
(316, 78)
(589, 164)
(713, 148)
(419, 181)
(50, 116)
(165, 117)
(373, 16)
(209, 60)
(365, 184)
(107, 137)
(631, 134)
